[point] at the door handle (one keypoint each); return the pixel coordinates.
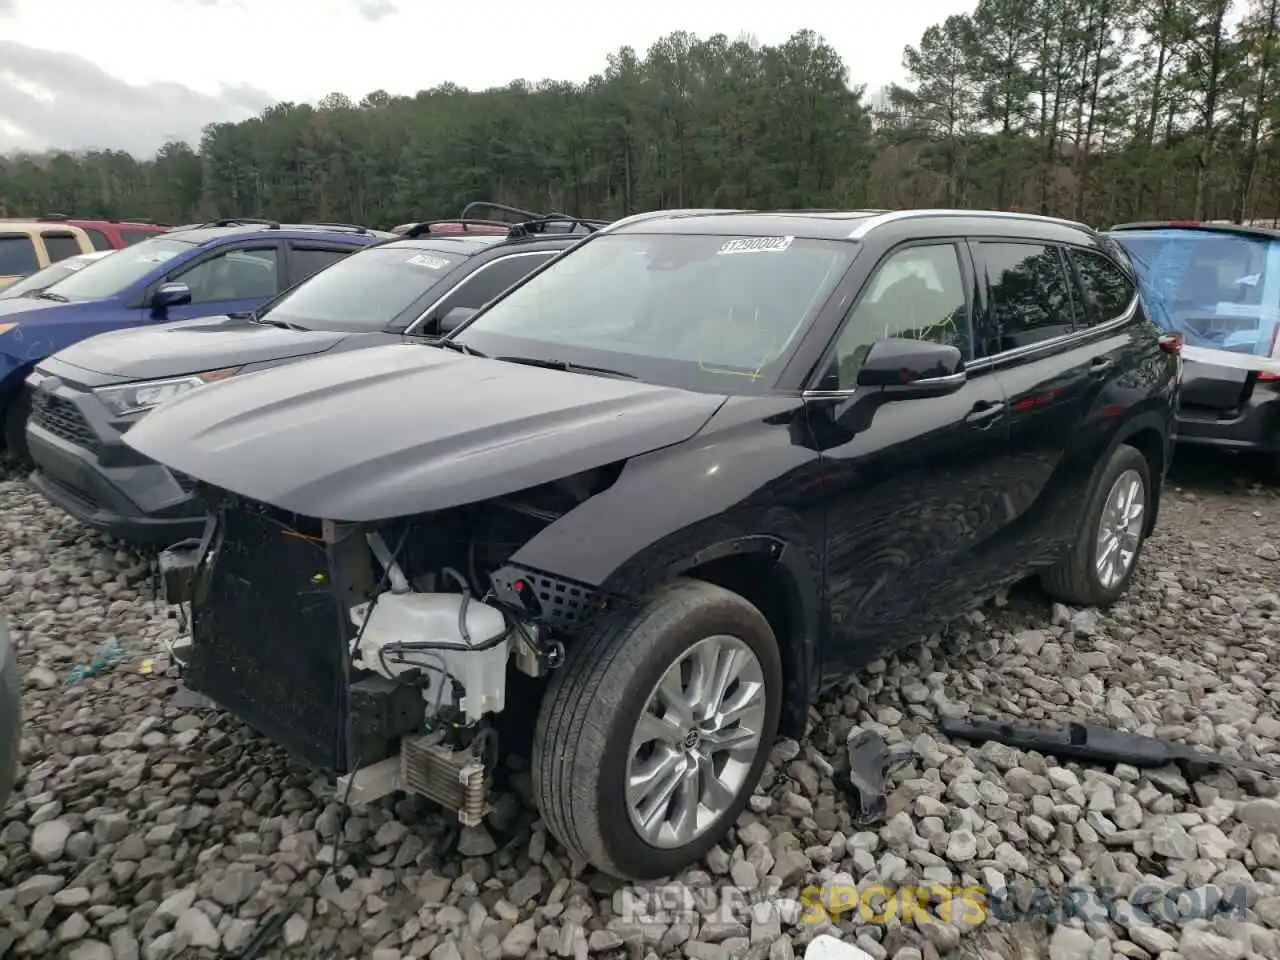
(1100, 366)
(986, 412)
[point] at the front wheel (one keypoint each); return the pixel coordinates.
(652, 736)
(1105, 556)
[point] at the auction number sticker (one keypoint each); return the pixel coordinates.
(155, 256)
(756, 245)
(428, 261)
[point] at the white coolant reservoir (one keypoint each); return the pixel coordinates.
(408, 631)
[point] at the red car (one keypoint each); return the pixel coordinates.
(111, 234)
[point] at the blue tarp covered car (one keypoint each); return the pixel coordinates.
(1218, 285)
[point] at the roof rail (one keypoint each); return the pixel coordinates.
(237, 222)
(412, 231)
(52, 216)
(524, 215)
(867, 224)
(545, 225)
(334, 225)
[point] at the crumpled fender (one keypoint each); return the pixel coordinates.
(743, 485)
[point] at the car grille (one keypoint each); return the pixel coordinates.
(63, 419)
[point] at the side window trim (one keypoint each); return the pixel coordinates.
(1075, 336)
(412, 329)
(968, 277)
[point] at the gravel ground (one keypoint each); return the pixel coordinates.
(147, 827)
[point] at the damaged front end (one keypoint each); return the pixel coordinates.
(379, 652)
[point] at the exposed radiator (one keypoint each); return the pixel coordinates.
(455, 779)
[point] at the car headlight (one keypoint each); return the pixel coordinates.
(6, 327)
(143, 395)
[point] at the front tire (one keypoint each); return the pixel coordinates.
(654, 733)
(1097, 571)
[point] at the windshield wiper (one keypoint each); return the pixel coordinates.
(565, 365)
(457, 347)
(55, 297)
(282, 324)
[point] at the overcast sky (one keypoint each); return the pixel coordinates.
(130, 74)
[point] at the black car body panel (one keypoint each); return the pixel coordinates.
(10, 714)
(856, 517)
(505, 427)
(75, 438)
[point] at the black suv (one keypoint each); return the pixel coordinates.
(416, 285)
(692, 473)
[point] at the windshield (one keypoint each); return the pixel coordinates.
(702, 312)
(1220, 290)
(44, 278)
(365, 291)
(120, 271)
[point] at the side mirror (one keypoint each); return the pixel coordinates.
(170, 295)
(909, 369)
(454, 318)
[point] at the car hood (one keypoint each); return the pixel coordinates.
(30, 306)
(406, 429)
(190, 346)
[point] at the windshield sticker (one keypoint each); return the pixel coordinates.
(74, 265)
(428, 261)
(155, 256)
(756, 245)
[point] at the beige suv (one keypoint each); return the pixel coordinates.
(27, 246)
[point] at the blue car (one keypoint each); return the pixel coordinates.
(221, 267)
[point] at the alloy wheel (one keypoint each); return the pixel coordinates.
(1120, 528)
(695, 741)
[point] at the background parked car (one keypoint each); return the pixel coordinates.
(27, 246)
(1217, 285)
(87, 396)
(225, 266)
(110, 234)
(679, 481)
(44, 279)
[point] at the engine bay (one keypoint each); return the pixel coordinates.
(431, 620)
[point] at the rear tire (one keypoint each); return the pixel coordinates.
(16, 413)
(588, 749)
(1108, 527)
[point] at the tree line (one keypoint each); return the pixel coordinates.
(1101, 110)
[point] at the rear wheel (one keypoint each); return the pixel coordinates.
(1097, 571)
(654, 733)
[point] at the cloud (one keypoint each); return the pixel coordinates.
(8, 8)
(371, 10)
(64, 101)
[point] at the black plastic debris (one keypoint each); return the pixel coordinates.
(871, 763)
(1088, 743)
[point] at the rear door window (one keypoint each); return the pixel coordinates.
(307, 261)
(17, 255)
(99, 239)
(130, 237)
(60, 245)
(492, 279)
(1107, 290)
(1030, 294)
